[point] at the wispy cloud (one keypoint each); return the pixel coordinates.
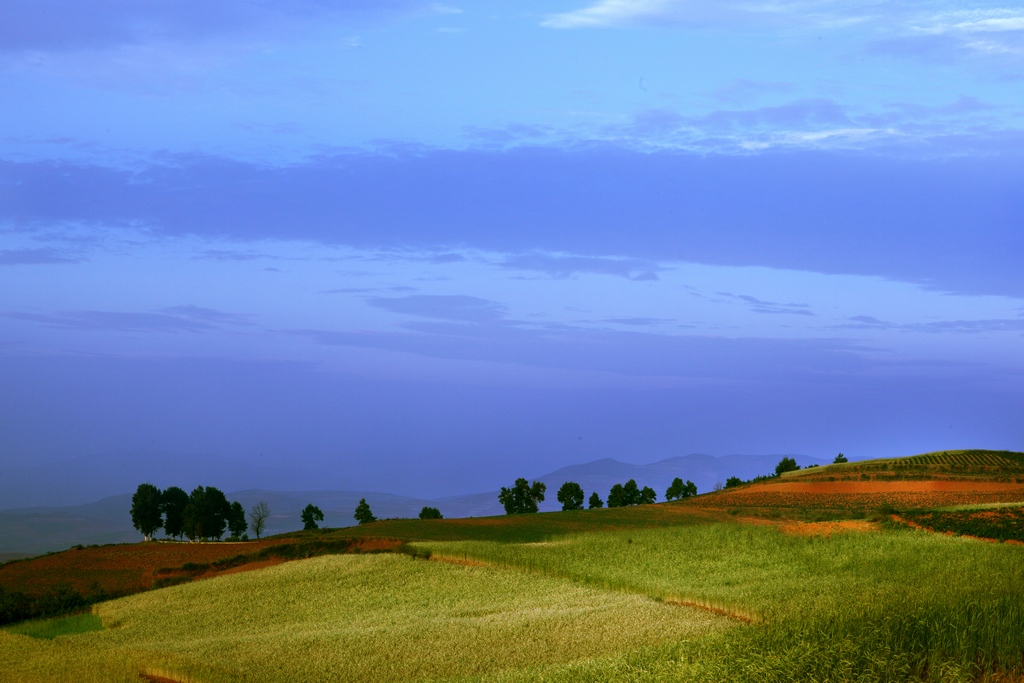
(759, 306)
(442, 307)
(561, 265)
(40, 256)
(174, 319)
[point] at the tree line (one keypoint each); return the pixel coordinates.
(201, 515)
(523, 497)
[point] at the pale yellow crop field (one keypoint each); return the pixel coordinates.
(354, 618)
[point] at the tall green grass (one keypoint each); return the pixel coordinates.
(355, 618)
(892, 606)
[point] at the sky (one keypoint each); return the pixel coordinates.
(426, 248)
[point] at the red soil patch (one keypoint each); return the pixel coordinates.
(132, 567)
(863, 495)
(875, 486)
(827, 528)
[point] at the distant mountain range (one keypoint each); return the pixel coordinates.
(35, 530)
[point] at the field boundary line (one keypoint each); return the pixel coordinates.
(721, 610)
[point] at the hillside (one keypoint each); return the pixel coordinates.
(824, 570)
(31, 531)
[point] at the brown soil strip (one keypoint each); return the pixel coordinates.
(828, 528)
(875, 486)
(738, 616)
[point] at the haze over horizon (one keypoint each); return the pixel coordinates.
(424, 245)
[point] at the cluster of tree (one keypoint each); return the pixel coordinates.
(203, 514)
(677, 490)
(522, 497)
(623, 495)
(430, 513)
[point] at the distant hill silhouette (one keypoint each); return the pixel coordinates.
(39, 529)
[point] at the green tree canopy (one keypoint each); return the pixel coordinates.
(570, 495)
(311, 514)
(678, 489)
(647, 496)
(146, 510)
(206, 513)
(430, 513)
(363, 513)
(173, 502)
(595, 501)
(616, 497)
(732, 481)
(787, 464)
(840, 459)
(522, 497)
(236, 520)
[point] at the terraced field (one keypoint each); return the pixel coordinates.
(355, 618)
(800, 578)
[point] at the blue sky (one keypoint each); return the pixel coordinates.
(427, 247)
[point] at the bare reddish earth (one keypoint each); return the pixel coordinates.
(124, 568)
(864, 495)
(132, 567)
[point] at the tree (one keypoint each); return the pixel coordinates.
(363, 513)
(430, 513)
(206, 513)
(258, 515)
(311, 514)
(595, 501)
(173, 502)
(678, 490)
(840, 459)
(647, 496)
(786, 465)
(732, 481)
(522, 497)
(236, 520)
(615, 496)
(675, 489)
(630, 493)
(571, 496)
(146, 510)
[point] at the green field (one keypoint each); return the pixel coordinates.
(355, 618)
(669, 592)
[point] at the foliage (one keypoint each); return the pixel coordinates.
(206, 513)
(523, 497)
(595, 501)
(732, 482)
(787, 464)
(173, 502)
(1002, 524)
(57, 600)
(357, 618)
(647, 496)
(678, 490)
(311, 514)
(61, 626)
(570, 495)
(622, 495)
(363, 513)
(430, 513)
(258, 515)
(236, 520)
(840, 459)
(146, 510)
